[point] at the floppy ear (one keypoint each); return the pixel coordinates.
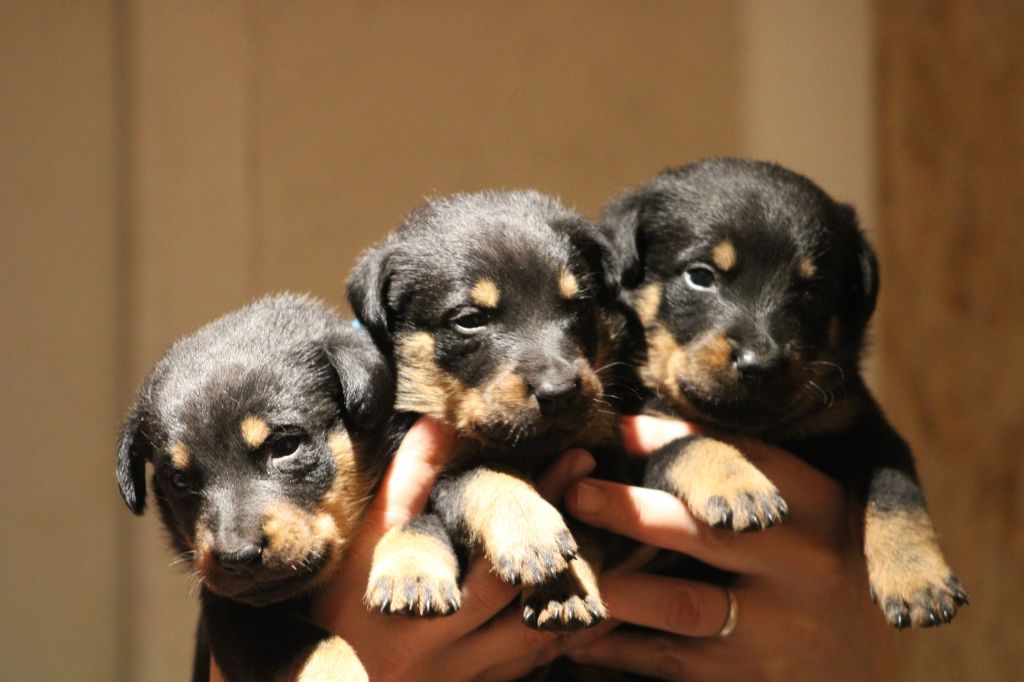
(367, 289)
(863, 282)
(367, 387)
(596, 251)
(620, 223)
(133, 449)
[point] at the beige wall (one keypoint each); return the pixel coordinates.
(60, 326)
(166, 161)
(951, 146)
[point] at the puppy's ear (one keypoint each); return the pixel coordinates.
(595, 249)
(862, 288)
(621, 224)
(367, 289)
(133, 449)
(367, 387)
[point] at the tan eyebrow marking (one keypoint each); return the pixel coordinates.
(806, 269)
(254, 431)
(180, 456)
(724, 255)
(567, 284)
(485, 293)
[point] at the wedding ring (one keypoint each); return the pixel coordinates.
(730, 620)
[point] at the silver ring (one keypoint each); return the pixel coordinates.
(730, 620)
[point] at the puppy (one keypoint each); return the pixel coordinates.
(752, 290)
(264, 431)
(490, 305)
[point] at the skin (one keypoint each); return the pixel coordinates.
(804, 611)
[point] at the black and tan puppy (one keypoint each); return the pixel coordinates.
(491, 307)
(264, 431)
(753, 290)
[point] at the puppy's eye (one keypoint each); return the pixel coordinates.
(469, 321)
(179, 481)
(285, 445)
(815, 296)
(700, 277)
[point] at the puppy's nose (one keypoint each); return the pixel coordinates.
(236, 557)
(759, 367)
(556, 394)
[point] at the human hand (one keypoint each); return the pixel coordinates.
(465, 645)
(802, 591)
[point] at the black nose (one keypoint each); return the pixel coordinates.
(239, 556)
(759, 367)
(556, 394)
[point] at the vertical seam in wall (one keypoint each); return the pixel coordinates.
(124, 300)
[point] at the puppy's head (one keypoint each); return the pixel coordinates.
(257, 428)
(491, 303)
(753, 287)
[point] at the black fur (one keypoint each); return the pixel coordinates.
(416, 290)
(292, 363)
(772, 336)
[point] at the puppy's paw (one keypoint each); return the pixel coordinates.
(525, 537)
(910, 580)
(528, 554)
(921, 601)
(331, 659)
(413, 574)
(723, 489)
(569, 602)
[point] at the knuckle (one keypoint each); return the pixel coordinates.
(668, 661)
(684, 610)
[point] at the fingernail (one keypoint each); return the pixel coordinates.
(589, 498)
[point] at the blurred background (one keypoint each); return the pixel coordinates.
(164, 161)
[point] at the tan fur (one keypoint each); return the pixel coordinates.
(254, 431)
(567, 285)
(289, 532)
(573, 599)
(422, 386)
(903, 557)
(180, 457)
(724, 255)
(403, 557)
(485, 293)
(806, 269)
(331, 659)
(512, 522)
(710, 468)
(344, 504)
(648, 303)
(664, 364)
(711, 353)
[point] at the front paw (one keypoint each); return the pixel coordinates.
(331, 659)
(722, 488)
(924, 602)
(909, 578)
(530, 555)
(413, 574)
(524, 537)
(569, 602)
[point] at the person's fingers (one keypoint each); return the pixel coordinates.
(571, 466)
(643, 434)
(665, 657)
(682, 607)
(502, 649)
(652, 517)
(422, 455)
